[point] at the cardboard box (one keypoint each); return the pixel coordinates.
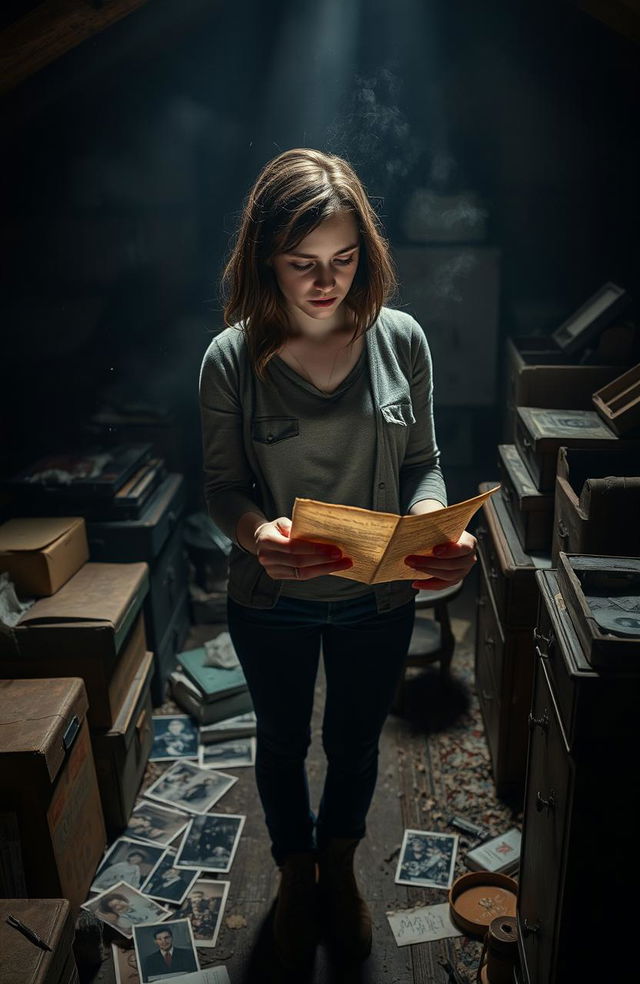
(48, 785)
(121, 753)
(41, 554)
(92, 628)
(52, 920)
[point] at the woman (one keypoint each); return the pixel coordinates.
(317, 390)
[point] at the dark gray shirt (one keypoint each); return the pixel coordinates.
(243, 418)
(332, 457)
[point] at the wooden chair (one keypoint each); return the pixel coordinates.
(432, 640)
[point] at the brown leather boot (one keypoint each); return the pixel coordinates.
(295, 919)
(344, 911)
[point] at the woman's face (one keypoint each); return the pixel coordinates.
(118, 906)
(316, 277)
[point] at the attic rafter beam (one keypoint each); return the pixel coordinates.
(50, 30)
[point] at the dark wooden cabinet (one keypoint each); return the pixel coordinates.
(504, 656)
(577, 865)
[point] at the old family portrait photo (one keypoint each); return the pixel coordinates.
(174, 736)
(427, 859)
(127, 861)
(210, 842)
(165, 950)
(123, 907)
(155, 823)
(167, 883)
(228, 754)
(187, 786)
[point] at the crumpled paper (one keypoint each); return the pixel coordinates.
(220, 652)
(11, 608)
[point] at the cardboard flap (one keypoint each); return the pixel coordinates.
(97, 593)
(34, 534)
(34, 718)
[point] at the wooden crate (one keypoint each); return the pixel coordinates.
(618, 403)
(531, 511)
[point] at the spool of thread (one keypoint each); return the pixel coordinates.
(501, 949)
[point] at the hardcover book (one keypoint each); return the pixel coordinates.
(189, 698)
(213, 681)
(501, 853)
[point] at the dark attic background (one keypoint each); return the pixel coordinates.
(501, 138)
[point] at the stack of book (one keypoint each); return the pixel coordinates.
(241, 726)
(209, 693)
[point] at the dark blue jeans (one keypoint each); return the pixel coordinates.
(364, 654)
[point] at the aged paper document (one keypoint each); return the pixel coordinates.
(378, 542)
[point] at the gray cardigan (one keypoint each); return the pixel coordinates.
(233, 404)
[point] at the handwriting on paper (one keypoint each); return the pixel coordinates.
(423, 924)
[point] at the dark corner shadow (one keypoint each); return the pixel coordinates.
(339, 972)
(429, 704)
(263, 966)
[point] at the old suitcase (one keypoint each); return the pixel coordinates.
(618, 403)
(540, 432)
(49, 794)
(597, 501)
(23, 963)
(578, 799)
(121, 753)
(602, 595)
(507, 606)
(531, 511)
(90, 628)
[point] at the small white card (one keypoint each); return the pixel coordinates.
(424, 924)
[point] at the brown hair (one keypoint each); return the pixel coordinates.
(293, 194)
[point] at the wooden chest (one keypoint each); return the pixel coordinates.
(172, 641)
(579, 799)
(597, 502)
(50, 813)
(531, 511)
(21, 961)
(540, 433)
(121, 753)
(602, 596)
(506, 607)
(540, 374)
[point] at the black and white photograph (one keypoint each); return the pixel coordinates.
(165, 950)
(204, 908)
(125, 965)
(228, 754)
(156, 824)
(175, 736)
(210, 842)
(127, 861)
(167, 883)
(427, 859)
(191, 788)
(123, 907)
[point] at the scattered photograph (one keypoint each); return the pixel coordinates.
(174, 736)
(127, 861)
(204, 908)
(165, 950)
(227, 754)
(125, 965)
(240, 726)
(169, 884)
(155, 823)
(210, 842)
(427, 859)
(123, 907)
(188, 786)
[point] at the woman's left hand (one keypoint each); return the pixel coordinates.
(448, 565)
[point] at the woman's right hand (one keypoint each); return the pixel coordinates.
(285, 559)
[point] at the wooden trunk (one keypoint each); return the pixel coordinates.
(530, 511)
(597, 502)
(540, 433)
(618, 403)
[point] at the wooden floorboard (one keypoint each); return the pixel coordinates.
(409, 794)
